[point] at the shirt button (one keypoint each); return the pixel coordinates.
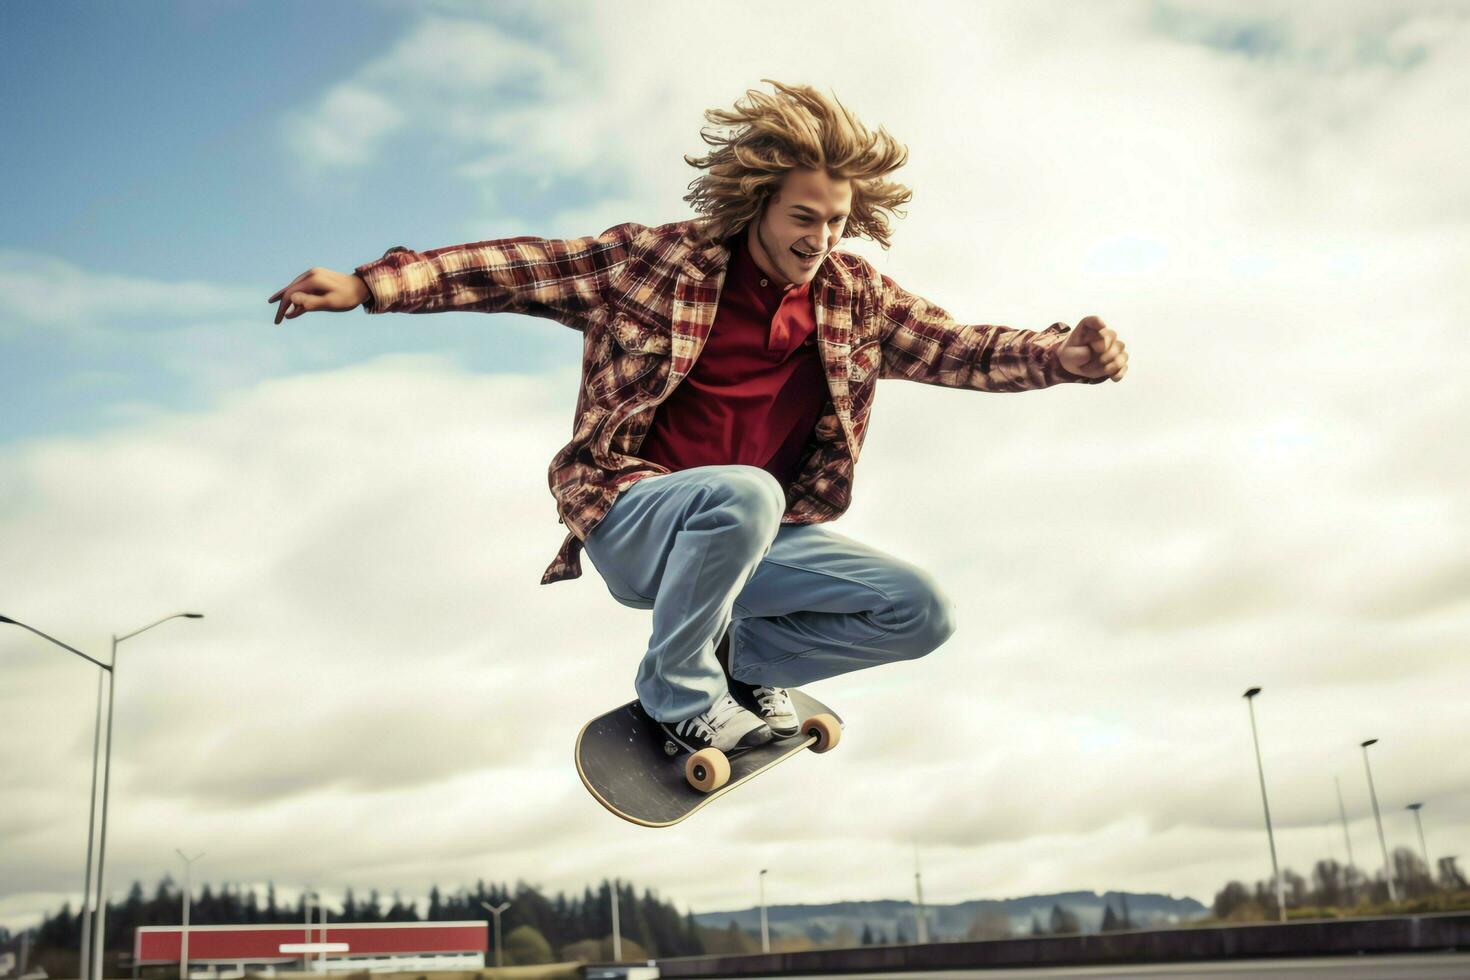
(764, 283)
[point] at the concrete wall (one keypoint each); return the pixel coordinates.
(1438, 931)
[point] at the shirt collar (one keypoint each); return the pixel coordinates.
(743, 270)
(703, 257)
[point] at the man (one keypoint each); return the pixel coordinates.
(729, 366)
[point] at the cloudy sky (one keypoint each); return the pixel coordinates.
(1267, 201)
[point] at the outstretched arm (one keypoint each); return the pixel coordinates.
(560, 279)
(923, 343)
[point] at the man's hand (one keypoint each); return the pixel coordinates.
(1093, 350)
(320, 289)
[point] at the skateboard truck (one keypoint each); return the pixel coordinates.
(709, 769)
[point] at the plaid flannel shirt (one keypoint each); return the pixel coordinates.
(644, 299)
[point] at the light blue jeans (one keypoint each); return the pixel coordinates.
(705, 549)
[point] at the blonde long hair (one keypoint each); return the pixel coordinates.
(774, 134)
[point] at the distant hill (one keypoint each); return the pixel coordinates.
(821, 923)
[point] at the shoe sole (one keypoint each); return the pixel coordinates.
(735, 749)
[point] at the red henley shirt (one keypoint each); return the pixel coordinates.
(757, 388)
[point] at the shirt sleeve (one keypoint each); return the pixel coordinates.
(923, 343)
(559, 279)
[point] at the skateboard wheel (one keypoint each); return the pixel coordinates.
(825, 729)
(707, 770)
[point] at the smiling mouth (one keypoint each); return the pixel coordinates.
(804, 256)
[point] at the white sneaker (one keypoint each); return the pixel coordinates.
(725, 726)
(771, 704)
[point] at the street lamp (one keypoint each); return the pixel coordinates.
(617, 924)
(1250, 696)
(92, 812)
(765, 930)
(920, 926)
(495, 910)
(188, 899)
(309, 899)
(101, 904)
(1393, 895)
(1428, 869)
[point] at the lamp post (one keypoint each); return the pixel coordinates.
(617, 924)
(98, 933)
(765, 929)
(921, 931)
(495, 911)
(310, 899)
(1393, 895)
(1424, 848)
(92, 809)
(1250, 696)
(187, 901)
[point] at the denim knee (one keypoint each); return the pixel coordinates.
(757, 497)
(927, 611)
(938, 623)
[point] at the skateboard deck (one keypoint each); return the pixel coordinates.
(622, 759)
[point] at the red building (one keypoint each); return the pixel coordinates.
(227, 950)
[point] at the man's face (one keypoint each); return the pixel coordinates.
(800, 224)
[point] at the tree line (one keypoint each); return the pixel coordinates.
(1337, 886)
(536, 929)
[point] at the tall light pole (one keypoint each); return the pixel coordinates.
(765, 928)
(617, 924)
(1250, 697)
(1393, 895)
(187, 900)
(1424, 848)
(308, 897)
(921, 930)
(92, 809)
(495, 911)
(98, 934)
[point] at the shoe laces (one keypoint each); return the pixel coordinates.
(771, 698)
(707, 723)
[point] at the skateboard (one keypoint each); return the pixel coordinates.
(632, 768)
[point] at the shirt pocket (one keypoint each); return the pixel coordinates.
(638, 353)
(638, 338)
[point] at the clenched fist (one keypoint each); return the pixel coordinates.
(320, 289)
(1093, 350)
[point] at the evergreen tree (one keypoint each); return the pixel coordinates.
(867, 937)
(1063, 921)
(693, 944)
(349, 907)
